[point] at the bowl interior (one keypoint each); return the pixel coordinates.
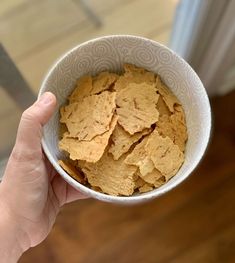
(110, 53)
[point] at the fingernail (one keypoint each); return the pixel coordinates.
(46, 98)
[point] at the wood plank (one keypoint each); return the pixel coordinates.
(162, 37)
(218, 248)
(31, 31)
(104, 6)
(151, 14)
(183, 228)
(9, 6)
(8, 130)
(7, 104)
(13, 82)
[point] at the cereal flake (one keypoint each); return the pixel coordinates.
(137, 107)
(91, 116)
(162, 108)
(140, 158)
(103, 82)
(122, 141)
(113, 177)
(145, 188)
(165, 155)
(174, 127)
(134, 74)
(168, 97)
(71, 170)
(82, 90)
(90, 151)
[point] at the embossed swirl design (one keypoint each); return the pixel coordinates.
(109, 53)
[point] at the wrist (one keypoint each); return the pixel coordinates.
(11, 237)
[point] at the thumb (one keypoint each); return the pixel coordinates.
(28, 140)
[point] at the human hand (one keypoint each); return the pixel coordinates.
(31, 192)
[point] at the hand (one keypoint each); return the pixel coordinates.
(31, 192)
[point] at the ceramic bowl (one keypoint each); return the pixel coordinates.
(110, 53)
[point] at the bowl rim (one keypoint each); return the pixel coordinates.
(143, 196)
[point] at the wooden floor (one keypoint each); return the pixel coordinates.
(35, 33)
(192, 224)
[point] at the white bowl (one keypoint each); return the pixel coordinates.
(110, 53)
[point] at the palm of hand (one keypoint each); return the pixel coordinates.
(40, 193)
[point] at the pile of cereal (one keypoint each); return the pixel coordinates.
(122, 133)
